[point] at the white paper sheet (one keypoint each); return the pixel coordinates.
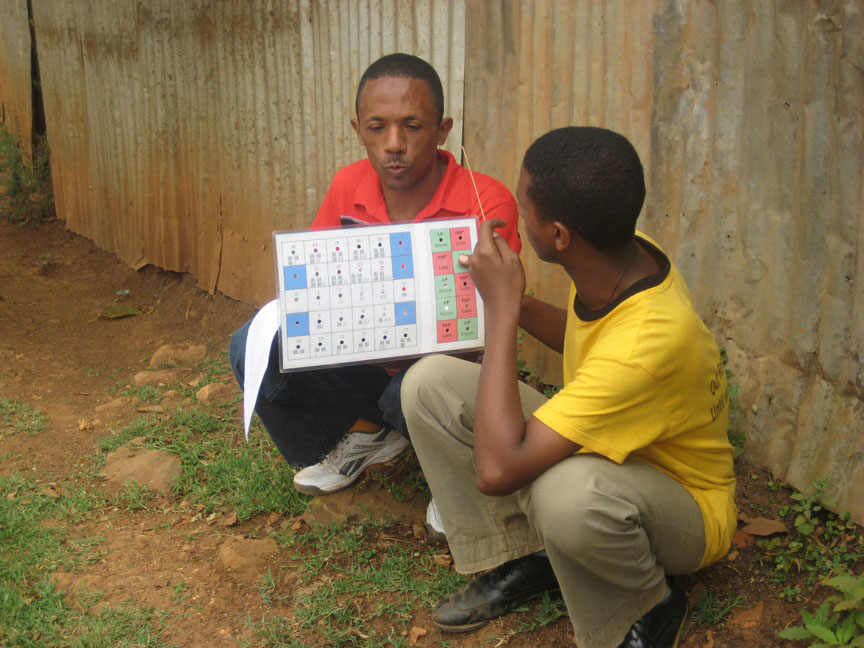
(258, 342)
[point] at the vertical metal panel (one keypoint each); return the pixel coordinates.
(185, 133)
(749, 118)
(16, 101)
(546, 64)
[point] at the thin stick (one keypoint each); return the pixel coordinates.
(471, 173)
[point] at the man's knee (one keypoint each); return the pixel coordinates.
(590, 512)
(423, 377)
(237, 351)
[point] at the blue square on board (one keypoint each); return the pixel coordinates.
(294, 277)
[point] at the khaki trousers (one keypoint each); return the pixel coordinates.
(612, 532)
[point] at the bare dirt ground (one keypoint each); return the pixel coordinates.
(59, 356)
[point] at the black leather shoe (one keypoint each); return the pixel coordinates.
(662, 626)
(495, 593)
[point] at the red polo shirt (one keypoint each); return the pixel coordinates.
(355, 196)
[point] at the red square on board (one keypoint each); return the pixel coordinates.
(466, 305)
(460, 238)
(447, 331)
(464, 284)
(442, 262)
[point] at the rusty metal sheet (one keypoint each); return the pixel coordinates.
(185, 133)
(16, 100)
(749, 118)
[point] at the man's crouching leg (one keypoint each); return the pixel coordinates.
(484, 532)
(613, 533)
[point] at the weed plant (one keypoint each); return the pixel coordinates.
(821, 543)
(713, 610)
(27, 187)
(839, 621)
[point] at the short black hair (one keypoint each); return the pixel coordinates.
(591, 180)
(406, 66)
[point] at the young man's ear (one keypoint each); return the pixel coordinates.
(562, 236)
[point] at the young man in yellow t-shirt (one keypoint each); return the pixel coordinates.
(622, 478)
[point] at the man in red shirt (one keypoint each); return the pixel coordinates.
(337, 422)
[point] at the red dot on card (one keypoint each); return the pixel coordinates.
(403, 266)
(404, 289)
(315, 250)
(400, 242)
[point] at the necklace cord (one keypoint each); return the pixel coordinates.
(623, 274)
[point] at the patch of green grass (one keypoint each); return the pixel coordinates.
(364, 586)
(150, 393)
(549, 609)
(33, 614)
(219, 469)
(403, 479)
(214, 368)
(16, 416)
(711, 609)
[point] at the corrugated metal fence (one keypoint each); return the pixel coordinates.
(749, 118)
(182, 134)
(16, 101)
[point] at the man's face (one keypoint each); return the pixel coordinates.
(398, 125)
(537, 230)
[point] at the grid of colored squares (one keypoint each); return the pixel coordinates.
(350, 294)
(455, 298)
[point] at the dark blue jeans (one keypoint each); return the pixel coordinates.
(306, 413)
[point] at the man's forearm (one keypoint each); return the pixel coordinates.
(499, 425)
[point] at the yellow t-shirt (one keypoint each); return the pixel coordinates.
(644, 378)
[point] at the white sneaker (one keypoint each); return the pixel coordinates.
(346, 462)
(434, 525)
